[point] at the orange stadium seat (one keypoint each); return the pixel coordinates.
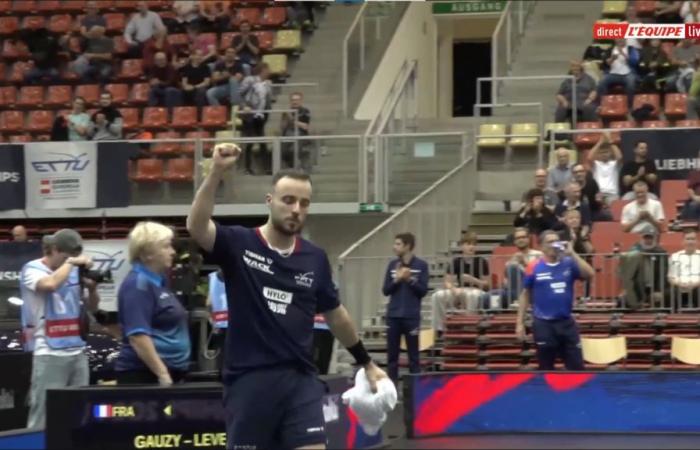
(671, 242)
(131, 118)
(616, 209)
(188, 147)
(90, 92)
(675, 106)
(214, 116)
(252, 15)
(130, 5)
(167, 148)
(651, 99)
(8, 25)
(273, 17)
(24, 6)
(105, 5)
(19, 71)
(20, 138)
(689, 123)
(613, 107)
(148, 170)
(184, 117)
(180, 170)
(227, 39)
(266, 39)
(178, 40)
(61, 23)
(120, 93)
(34, 22)
(48, 6)
(131, 69)
(155, 117)
(14, 50)
(59, 96)
(11, 121)
(583, 140)
(655, 124)
(40, 121)
(604, 235)
(619, 124)
(120, 46)
(139, 93)
(5, 6)
(8, 95)
(30, 96)
(73, 6)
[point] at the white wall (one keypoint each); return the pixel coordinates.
(415, 38)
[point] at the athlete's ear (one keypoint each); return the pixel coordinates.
(268, 199)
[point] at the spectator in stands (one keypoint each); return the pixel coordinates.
(142, 26)
(465, 284)
(668, 11)
(643, 212)
(163, 79)
(691, 209)
(550, 195)
(44, 47)
(515, 267)
(693, 99)
(591, 193)
(690, 12)
(549, 286)
(405, 283)
(654, 65)
(576, 232)
(575, 202)
(106, 123)
(605, 159)
(296, 124)
(683, 57)
(158, 43)
(643, 271)
(534, 215)
(586, 96)
(620, 72)
(215, 16)
(95, 64)
(684, 271)
(206, 43)
(560, 175)
(186, 14)
(78, 121)
(247, 47)
(256, 93)
(19, 234)
(640, 168)
(195, 80)
(300, 14)
(92, 19)
(226, 80)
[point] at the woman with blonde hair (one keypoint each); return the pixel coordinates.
(156, 342)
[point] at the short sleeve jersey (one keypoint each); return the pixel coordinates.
(551, 287)
(274, 297)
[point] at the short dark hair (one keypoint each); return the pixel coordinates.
(407, 239)
(532, 193)
(690, 230)
(640, 141)
(294, 174)
(470, 237)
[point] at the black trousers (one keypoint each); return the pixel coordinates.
(409, 329)
(557, 338)
(254, 126)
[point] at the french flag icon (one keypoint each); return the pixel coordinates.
(102, 411)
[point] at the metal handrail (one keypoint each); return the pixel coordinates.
(346, 39)
(395, 94)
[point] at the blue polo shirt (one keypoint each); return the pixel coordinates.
(551, 287)
(274, 299)
(146, 306)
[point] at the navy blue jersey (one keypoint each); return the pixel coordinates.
(272, 299)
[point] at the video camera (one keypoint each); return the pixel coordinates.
(98, 276)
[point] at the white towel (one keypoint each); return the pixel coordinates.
(371, 408)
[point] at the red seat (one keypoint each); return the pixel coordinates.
(89, 92)
(130, 5)
(148, 170)
(620, 124)
(166, 148)
(155, 117)
(20, 138)
(48, 6)
(616, 209)
(8, 96)
(11, 121)
(74, 6)
(132, 69)
(130, 117)
(266, 39)
(61, 23)
(120, 45)
(675, 106)
(188, 147)
(689, 123)
(105, 5)
(8, 25)
(214, 116)
(184, 117)
(19, 71)
(23, 7)
(34, 22)
(273, 17)
(651, 99)
(31, 96)
(40, 121)
(14, 50)
(604, 235)
(178, 40)
(252, 15)
(227, 40)
(59, 96)
(671, 242)
(5, 6)
(655, 124)
(116, 22)
(613, 107)
(584, 140)
(120, 93)
(180, 170)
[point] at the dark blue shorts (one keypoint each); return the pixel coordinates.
(274, 408)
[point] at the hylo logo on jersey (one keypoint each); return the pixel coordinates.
(258, 262)
(304, 279)
(277, 300)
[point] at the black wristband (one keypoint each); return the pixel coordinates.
(360, 354)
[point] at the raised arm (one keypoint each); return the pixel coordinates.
(199, 223)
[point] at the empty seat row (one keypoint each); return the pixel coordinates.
(62, 96)
(615, 106)
(154, 170)
(493, 135)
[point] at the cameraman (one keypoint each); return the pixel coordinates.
(53, 318)
(156, 343)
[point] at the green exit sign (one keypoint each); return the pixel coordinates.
(371, 207)
(469, 7)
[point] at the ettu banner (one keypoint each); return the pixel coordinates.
(674, 152)
(61, 175)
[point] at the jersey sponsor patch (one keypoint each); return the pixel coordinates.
(258, 262)
(277, 300)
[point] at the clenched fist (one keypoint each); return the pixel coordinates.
(225, 156)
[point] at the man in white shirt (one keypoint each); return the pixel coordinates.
(643, 212)
(605, 159)
(53, 319)
(142, 26)
(620, 71)
(684, 271)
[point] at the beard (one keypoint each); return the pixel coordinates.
(283, 226)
